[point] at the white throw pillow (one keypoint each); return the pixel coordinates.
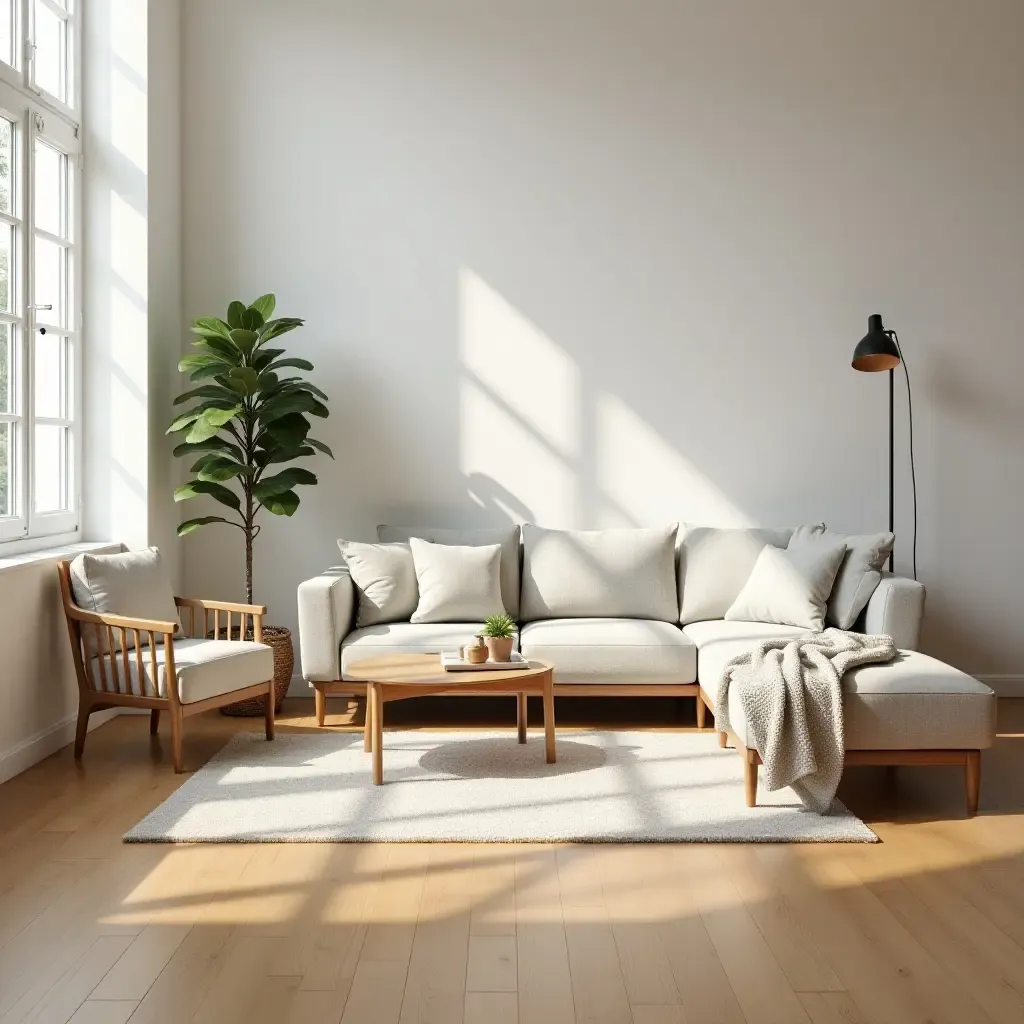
(131, 583)
(715, 563)
(457, 583)
(608, 574)
(385, 581)
(790, 587)
(858, 576)
(506, 536)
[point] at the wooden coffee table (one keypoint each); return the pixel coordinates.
(399, 676)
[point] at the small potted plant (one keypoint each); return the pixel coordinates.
(499, 634)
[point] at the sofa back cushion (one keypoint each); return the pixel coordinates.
(618, 574)
(457, 582)
(507, 537)
(714, 564)
(385, 580)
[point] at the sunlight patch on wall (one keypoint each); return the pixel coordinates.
(647, 478)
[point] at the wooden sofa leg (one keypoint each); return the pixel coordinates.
(268, 711)
(154, 721)
(321, 705)
(972, 776)
(750, 776)
(701, 709)
(81, 729)
(723, 740)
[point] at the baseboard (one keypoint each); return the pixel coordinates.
(299, 688)
(1005, 684)
(49, 741)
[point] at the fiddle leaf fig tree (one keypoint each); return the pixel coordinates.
(247, 420)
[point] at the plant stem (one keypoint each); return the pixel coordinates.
(247, 487)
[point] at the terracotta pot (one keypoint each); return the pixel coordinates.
(475, 654)
(499, 647)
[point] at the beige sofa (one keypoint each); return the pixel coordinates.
(915, 710)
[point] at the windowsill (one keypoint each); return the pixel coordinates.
(25, 558)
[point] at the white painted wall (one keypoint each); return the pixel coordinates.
(600, 263)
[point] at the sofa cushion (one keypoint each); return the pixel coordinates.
(628, 574)
(714, 564)
(456, 582)
(506, 536)
(791, 586)
(405, 638)
(204, 668)
(603, 650)
(385, 580)
(859, 574)
(717, 641)
(913, 703)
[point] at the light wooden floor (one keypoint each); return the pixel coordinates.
(924, 928)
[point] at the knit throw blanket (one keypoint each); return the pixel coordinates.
(791, 694)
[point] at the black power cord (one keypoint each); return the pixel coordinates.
(910, 416)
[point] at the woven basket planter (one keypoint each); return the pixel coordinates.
(279, 639)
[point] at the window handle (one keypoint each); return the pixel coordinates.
(40, 305)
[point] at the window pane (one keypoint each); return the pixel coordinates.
(7, 31)
(6, 362)
(51, 376)
(49, 192)
(49, 287)
(51, 468)
(6, 165)
(6, 267)
(6, 495)
(51, 52)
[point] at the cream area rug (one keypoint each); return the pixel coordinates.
(631, 787)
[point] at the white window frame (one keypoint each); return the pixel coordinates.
(37, 115)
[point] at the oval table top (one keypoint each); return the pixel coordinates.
(426, 670)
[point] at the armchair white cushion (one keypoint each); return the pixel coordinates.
(326, 608)
(204, 668)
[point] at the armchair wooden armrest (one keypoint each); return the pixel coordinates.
(123, 622)
(195, 606)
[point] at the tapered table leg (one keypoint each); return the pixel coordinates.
(377, 702)
(549, 718)
(521, 716)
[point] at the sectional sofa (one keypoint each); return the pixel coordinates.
(627, 613)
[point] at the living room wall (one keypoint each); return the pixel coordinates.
(600, 263)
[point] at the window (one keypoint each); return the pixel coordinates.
(40, 312)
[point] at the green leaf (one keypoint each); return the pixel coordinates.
(320, 446)
(278, 454)
(220, 347)
(201, 362)
(247, 377)
(274, 328)
(262, 359)
(283, 481)
(245, 340)
(210, 422)
(298, 384)
(193, 524)
(282, 504)
(207, 325)
(206, 391)
(267, 381)
(284, 405)
(216, 491)
(211, 444)
(301, 364)
(182, 421)
(264, 305)
(218, 468)
(251, 320)
(289, 431)
(235, 311)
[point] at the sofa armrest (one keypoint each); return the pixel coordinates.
(326, 604)
(897, 609)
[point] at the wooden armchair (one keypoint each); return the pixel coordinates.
(182, 672)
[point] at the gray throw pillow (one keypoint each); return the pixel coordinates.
(135, 584)
(385, 581)
(457, 583)
(790, 587)
(615, 574)
(506, 536)
(859, 575)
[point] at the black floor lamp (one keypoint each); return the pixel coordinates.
(880, 349)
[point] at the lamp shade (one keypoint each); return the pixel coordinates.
(876, 350)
